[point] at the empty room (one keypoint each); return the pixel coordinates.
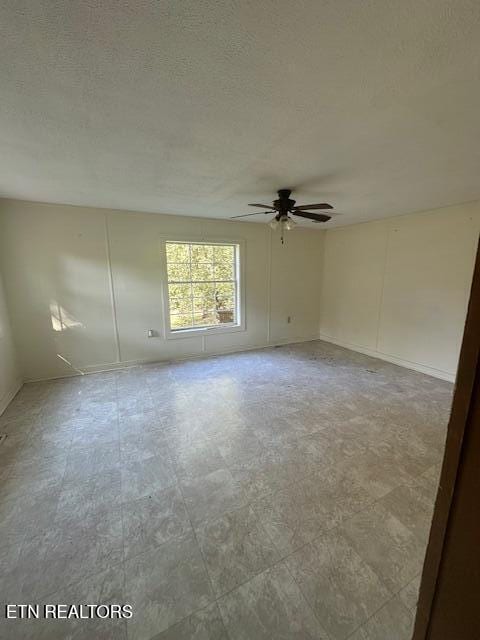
(237, 245)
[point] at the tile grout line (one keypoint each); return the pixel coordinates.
(125, 622)
(307, 600)
(338, 526)
(205, 568)
(385, 604)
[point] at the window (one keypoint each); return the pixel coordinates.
(203, 285)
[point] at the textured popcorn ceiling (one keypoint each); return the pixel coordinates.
(200, 107)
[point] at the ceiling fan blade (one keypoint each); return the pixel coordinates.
(322, 205)
(262, 206)
(257, 213)
(316, 217)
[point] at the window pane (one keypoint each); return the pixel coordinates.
(224, 271)
(226, 316)
(202, 271)
(204, 289)
(179, 290)
(205, 319)
(225, 289)
(225, 302)
(203, 304)
(180, 305)
(202, 253)
(223, 253)
(178, 271)
(178, 252)
(181, 321)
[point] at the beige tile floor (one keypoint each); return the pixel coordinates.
(283, 494)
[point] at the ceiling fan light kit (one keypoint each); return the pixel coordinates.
(285, 223)
(283, 206)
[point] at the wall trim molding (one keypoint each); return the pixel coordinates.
(406, 364)
(126, 364)
(111, 287)
(7, 397)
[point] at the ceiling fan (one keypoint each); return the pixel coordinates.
(284, 206)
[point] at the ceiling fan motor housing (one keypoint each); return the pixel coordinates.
(284, 203)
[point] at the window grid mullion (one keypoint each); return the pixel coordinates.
(192, 316)
(199, 281)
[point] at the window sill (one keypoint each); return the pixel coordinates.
(203, 331)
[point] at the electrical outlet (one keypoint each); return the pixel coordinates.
(151, 333)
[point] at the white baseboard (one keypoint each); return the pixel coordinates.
(9, 395)
(407, 364)
(113, 366)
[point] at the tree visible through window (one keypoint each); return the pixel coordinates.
(202, 284)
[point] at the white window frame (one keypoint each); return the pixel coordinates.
(240, 312)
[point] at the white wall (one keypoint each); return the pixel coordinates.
(398, 288)
(84, 285)
(10, 380)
